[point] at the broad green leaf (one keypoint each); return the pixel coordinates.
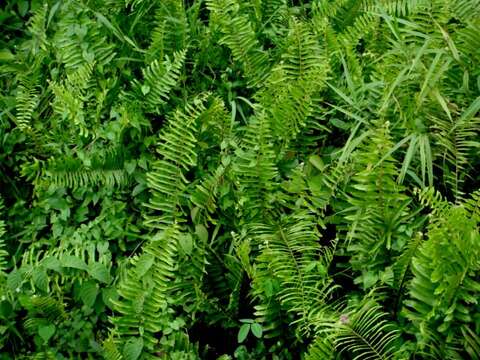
(243, 332)
(202, 233)
(89, 292)
(144, 263)
(46, 332)
(186, 243)
(14, 280)
(257, 330)
(40, 279)
(100, 272)
(73, 262)
(133, 348)
(317, 161)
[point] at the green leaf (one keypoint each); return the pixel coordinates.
(186, 243)
(89, 292)
(73, 262)
(133, 348)
(257, 330)
(40, 279)
(243, 332)
(6, 55)
(471, 111)
(317, 161)
(14, 280)
(46, 332)
(22, 7)
(144, 263)
(100, 272)
(145, 89)
(52, 263)
(202, 233)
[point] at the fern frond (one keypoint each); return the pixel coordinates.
(159, 80)
(377, 210)
(255, 165)
(171, 32)
(206, 192)
(104, 168)
(26, 102)
(367, 334)
(166, 179)
(290, 252)
(110, 350)
(443, 286)
(3, 253)
(37, 28)
(79, 39)
(240, 37)
(140, 310)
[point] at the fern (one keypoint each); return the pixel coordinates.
(240, 37)
(171, 32)
(367, 334)
(103, 168)
(166, 179)
(26, 101)
(443, 285)
(160, 78)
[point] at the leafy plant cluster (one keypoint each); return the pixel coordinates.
(226, 179)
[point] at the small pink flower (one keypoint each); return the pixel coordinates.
(344, 319)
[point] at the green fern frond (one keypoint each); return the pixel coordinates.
(166, 179)
(159, 80)
(3, 253)
(443, 285)
(321, 349)
(240, 37)
(48, 308)
(290, 252)
(110, 350)
(37, 28)
(100, 168)
(141, 308)
(206, 193)
(26, 102)
(466, 9)
(255, 164)
(366, 334)
(377, 210)
(171, 32)
(458, 142)
(75, 29)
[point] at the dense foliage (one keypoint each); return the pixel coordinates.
(240, 179)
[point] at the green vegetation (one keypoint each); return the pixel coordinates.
(240, 179)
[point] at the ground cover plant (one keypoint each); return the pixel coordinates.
(240, 179)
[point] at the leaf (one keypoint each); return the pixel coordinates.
(14, 279)
(186, 242)
(22, 7)
(243, 332)
(317, 161)
(133, 348)
(6, 55)
(144, 264)
(145, 89)
(46, 332)
(202, 233)
(73, 262)
(52, 263)
(89, 292)
(471, 111)
(40, 279)
(257, 330)
(99, 272)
